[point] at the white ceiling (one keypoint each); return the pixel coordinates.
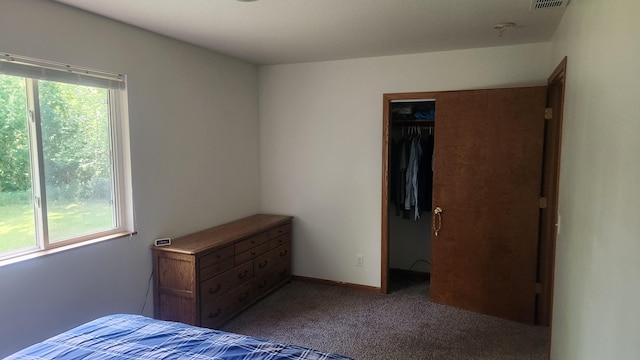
(289, 31)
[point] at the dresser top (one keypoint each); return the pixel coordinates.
(224, 234)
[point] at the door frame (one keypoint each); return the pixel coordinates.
(386, 137)
(551, 176)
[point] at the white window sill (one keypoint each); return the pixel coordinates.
(39, 253)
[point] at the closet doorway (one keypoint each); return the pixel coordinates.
(488, 175)
(412, 133)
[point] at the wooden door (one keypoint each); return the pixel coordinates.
(487, 178)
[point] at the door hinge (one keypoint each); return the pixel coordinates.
(538, 288)
(32, 117)
(548, 113)
(543, 203)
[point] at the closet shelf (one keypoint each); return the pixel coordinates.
(420, 122)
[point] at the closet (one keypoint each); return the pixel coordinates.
(488, 148)
(412, 133)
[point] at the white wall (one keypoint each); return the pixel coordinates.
(596, 312)
(321, 143)
(194, 139)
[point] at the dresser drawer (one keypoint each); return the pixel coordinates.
(216, 256)
(280, 240)
(215, 269)
(226, 281)
(242, 296)
(264, 263)
(250, 242)
(214, 313)
(277, 274)
(253, 252)
(279, 230)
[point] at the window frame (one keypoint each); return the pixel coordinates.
(120, 155)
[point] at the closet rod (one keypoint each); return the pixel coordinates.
(418, 129)
(413, 126)
(413, 123)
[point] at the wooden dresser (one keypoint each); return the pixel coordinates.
(206, 278)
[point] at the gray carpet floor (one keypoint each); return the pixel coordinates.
(401, 325)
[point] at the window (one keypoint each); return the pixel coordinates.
(65, 175)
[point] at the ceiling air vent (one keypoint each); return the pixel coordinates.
(547, 4)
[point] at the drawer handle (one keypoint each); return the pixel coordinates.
(216, 314)
(262, 284)
(284, 272)
(243, 274)
(284, 253)
(243, 297)
(213, 291)
(263, 264)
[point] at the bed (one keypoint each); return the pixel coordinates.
(137, 337)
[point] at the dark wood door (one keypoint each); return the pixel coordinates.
(487, 178)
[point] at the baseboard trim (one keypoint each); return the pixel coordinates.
(366, 288)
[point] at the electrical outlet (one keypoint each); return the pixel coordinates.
(359, 260)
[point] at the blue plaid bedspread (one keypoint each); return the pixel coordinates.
(138, 337)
